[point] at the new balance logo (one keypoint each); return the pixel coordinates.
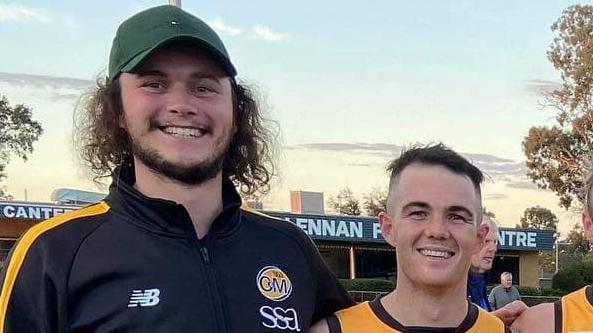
(148, 297)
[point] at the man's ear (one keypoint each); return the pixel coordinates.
(387, 228)
(481, 234)
(588, 226)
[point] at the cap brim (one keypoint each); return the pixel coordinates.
(222, 59)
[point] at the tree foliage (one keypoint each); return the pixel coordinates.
(574, 276)
(375, 202)
(578, 244)
(559, 156)
(18, 132)
(541, 218)
(345, 203)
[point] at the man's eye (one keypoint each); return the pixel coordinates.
(154, 85)
(457, 218)
(202, 89)
(418, 214)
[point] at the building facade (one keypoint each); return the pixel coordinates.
(352, 247)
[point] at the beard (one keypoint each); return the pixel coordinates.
(195, 174)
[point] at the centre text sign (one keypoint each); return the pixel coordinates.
(31, 211)
(366, 230)
(349, 229)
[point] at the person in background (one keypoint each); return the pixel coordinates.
(476, 283)
(504, 293)
(480, 264)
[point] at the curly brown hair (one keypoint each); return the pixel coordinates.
(104, 145)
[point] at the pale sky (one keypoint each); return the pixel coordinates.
(348, 82)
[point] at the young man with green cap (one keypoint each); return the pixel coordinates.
(169, 249)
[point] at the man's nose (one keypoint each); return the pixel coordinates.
(180, 101)
(436, 228)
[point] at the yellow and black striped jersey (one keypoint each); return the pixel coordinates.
(574, 312)
(372, 317)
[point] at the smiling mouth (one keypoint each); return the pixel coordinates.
(436, 254)
(184, 132)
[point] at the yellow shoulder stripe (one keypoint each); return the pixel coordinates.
(22, 247)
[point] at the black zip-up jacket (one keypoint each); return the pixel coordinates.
(134, 264)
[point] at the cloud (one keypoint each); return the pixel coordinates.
(219, 25)
(500, 169)
(353, 147)
(525, 185)
(496, 166)
(489, 164)
(19, 79)
(496, 196)
(484, 158)
(539, 87)
(10, 12)
(267, 34)
(364, 165)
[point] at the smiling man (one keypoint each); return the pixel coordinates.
(170, 249)
(433, 220)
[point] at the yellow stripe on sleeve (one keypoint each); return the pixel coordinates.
(22, 247)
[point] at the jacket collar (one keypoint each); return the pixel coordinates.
(166, 216)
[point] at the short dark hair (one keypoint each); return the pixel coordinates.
(434, 154)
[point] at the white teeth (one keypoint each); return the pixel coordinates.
(436, 253)
(183, 131)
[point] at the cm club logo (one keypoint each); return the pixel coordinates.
(273, 283)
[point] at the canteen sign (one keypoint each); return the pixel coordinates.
(366, 230)
(21, 210)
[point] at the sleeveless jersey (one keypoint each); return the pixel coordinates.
(574, 312)
(371, 317)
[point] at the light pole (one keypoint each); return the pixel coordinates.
(558, 243)
(556, 261)
(175, 3)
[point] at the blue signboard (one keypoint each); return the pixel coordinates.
(353, 229)
(31, 211)
(350, 229)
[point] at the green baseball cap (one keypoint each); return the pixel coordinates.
(141, 34)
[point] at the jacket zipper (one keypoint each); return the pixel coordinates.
(205, 255)
(219, 311)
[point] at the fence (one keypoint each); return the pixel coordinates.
(361, 296)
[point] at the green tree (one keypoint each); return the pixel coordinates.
(345, 203)
(18, 132)
(559, 156)
(574, 248)
(541, 218)
(375, 202)
(574, 275)
(578, 244)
